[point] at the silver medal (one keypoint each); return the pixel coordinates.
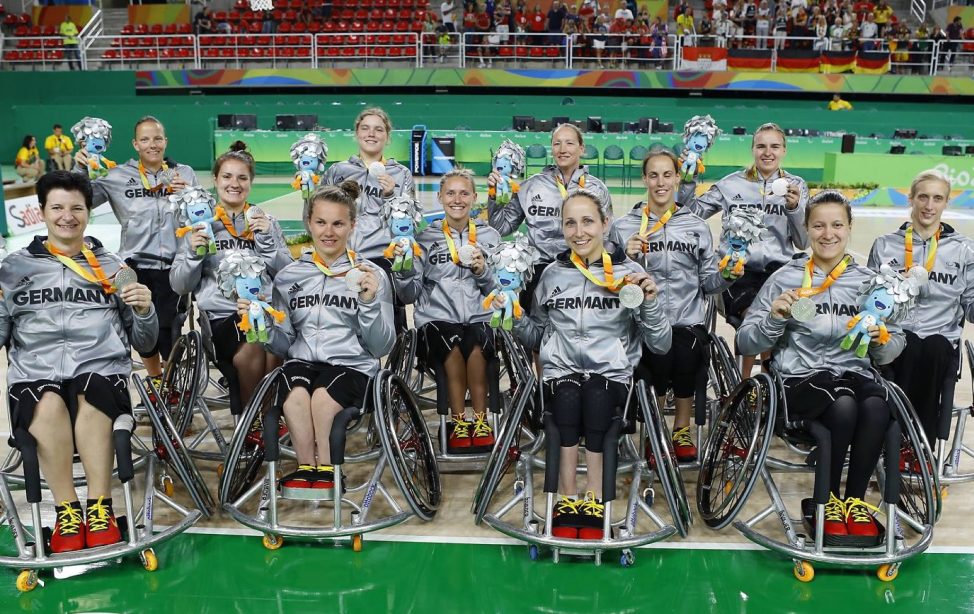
(252, 211)
(353, 279)
(631, 296)
(125, 277)
(166, 176)
(465, 254)
(779, 187)
(920, 274)
(377, 169)
(803, 309)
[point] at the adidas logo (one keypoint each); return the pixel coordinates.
(555, 292)
(737, 197)
(294, 289)
(131, 181)
(894, 262)
(24, 281)
(536, 198)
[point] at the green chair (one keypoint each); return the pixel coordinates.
(591, 157)
(635, 165)
(535, 153)
(614, 158)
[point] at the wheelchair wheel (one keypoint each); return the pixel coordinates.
(181, 379)
(507, 449)
(736, 450)
(407, 444)
(726, 375)
(169, 446)
(402, 358)
(520, 374)
(245, 453)
(666, 464)
(920, 484)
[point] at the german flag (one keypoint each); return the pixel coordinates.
(798, 60)
(749, 59)
(872, 63)
(838, 61)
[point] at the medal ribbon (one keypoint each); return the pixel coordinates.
(328, 272)
(449, 239)
(644, 223)
(97, 276)
(610, 281)
(807, 290)
(221, 214)
(931, 256)
(145, 180)
(561, 184)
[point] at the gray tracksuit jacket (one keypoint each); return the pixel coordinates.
(579, 327)
(198, 274)
(681, 260)
(147, 224)
(60, 325)
(948, 296)
(746, 188)
(538, 204)
(804, 348)
(371, 235)
(441, 290)
(325, 322)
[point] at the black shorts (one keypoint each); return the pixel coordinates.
(584, 405)
(226, 338)
(527, 294)
(739, 296)
(108, 394)
(437, 340)
(166, 302)
(347, 386)
(680, 367)
(808, 397)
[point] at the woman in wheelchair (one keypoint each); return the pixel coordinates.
(70, 334)
(676, 248)
(927, 247)
(448, 284)
(335, 329)
(589, 344)
(823, 382)
(242, 227)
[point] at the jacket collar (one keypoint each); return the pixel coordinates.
(37, 247)
(616, 253)
(946, 232)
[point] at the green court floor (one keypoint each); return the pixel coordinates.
(221, 573)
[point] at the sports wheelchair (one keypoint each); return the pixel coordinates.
(395, 437)
(738, 453)
(138, 533)
(950, 452)
(534, 528)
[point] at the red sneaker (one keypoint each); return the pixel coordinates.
(593, 516)
(860, 523)
(302, 478)
(324, 477)
(686, 452)
(102, 527)
(565, 518)
(69, 530)
(483, 435)
(460, 435)
(835, 521)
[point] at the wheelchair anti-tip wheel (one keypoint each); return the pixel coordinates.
(407, 444)
(182, 378)
(664, 456)
(245, 454)
(736, 449)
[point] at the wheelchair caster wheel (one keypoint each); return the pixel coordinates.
(804, 571)
(533, 552)
(149, 560)
(167, 486)
(627, 559)
(272, 542)
(888, 573)
(356, 543)
(27, 580)
(649, 496)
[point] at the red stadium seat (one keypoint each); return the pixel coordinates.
(399, 39)
(233, 16)
(155, 28)
(11, 56)
(299, 27)
(111, 54)
(184, 28)
(329, 26)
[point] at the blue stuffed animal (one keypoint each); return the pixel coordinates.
(309, 156)
(513, 265)
(403, 216)
(743, 226)
(254, 324)
(509, 164)
(699, 134)
(96, 135)
(886, 297)
(197, 206)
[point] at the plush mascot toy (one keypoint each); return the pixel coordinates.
(886, 297)
(403, 215)
(309, 156)
(699, 134)
(198, 207)
(513, 265)
(509, 164)
(240, 275)
(96, 135)
(742, 227)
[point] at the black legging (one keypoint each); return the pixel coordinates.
(861, 425)
(920, 370)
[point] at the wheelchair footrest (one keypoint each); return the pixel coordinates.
(308, 494)
(840, 541)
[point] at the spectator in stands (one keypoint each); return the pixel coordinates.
(556, 21)
(28, 162)
(723, 26)
(851, 42)
(624, 14)
(503, 14)
(837, 104)
(617, 40)
(837, 35)
(762, 25)
(521, 19)
(536, 25)
(587, 12)
(203, 22)
(955, 33)
(900, 47)
(685, 28)
(69, 38)
(680, 8)
(705, 31)
(659, 49)
(780, 28)
(59, 148)
(921, 50)
(868, 32)
(448, 9)
(600, 36)
(269, 25)
(482, 27)
(881, 16)
(821, 34)
(573, 18)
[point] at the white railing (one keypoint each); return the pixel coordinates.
(44, 52)
(363, 49)
(136, 51)
(623, 51)
(249, 49)
(516, 48)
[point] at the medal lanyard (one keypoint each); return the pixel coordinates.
(931, 255)
(221, 214)
(97, 276)
(145, 180)
(328, 272)
(807, 289)
(561, 184)
(609, 283)
(644, 223)
(449, 239)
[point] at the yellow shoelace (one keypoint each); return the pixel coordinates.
(461, 428)
(681, 437)
(480, 426)
(323, 468)
(591, 507)
(69, 519)
(306, 467)
(859, 510)
(98, 516)
(567, 506)
(835, 509)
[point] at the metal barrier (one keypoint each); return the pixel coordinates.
(43, 52)
(367, 48)
(248, 49)
(133, 51)
(518, 48)
(638, 51)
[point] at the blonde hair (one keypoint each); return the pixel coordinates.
(574, 128)
(768, 127)
(463, 173)
(382, 115)
(929, 175)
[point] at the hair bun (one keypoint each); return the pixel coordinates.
(351, 188)
(239, 146)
